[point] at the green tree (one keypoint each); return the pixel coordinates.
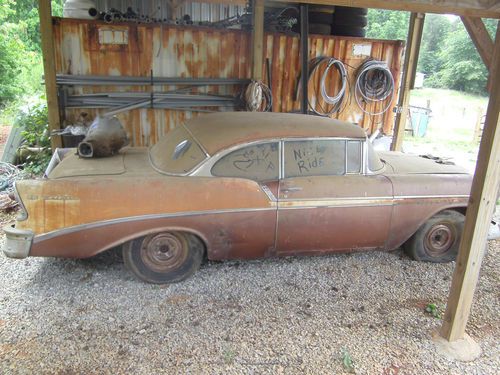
(25, 14)
(20, 50)
(436, 30)
(11, 54)
(461, 66)
(387, 24)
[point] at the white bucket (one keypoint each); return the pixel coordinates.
(78, 9)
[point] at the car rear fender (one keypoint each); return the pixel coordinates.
(418, 197)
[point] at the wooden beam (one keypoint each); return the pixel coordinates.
(479, 212)
(415, 30)
(257, 39)
(481, 38)
(472, 8)
(49, 68)
(304, 58)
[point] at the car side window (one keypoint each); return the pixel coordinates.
(322, 157)
(256, 162)
(314, 158)
(353, 157)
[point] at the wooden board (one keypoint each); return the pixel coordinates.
(479, 212)
(415, 31)
(49, 69)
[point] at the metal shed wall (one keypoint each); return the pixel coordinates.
(179, 51)
(210, 12)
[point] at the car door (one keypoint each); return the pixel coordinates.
(327, 202)
(253, 235)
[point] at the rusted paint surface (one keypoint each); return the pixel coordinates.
(204, 52)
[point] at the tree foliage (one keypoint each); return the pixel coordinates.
(387, 24)
(20, 50)
(448, 56)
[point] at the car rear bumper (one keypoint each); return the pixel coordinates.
(17, 242)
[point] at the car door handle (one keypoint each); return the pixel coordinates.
(290, 189)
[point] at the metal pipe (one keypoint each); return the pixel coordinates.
(84, 80)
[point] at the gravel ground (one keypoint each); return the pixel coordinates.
(293, 315)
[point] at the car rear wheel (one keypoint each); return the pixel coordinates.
(438, 239)
(162, 258)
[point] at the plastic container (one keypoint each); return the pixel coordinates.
(419, 119)
(79, 9)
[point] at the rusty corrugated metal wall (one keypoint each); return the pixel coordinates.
(175, 51)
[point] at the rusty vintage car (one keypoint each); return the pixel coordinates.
(242, 185)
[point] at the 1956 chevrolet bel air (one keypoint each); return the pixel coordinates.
(242, 185)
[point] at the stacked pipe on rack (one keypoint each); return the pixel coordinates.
(90, 80)
(122, 102)
(177, 99)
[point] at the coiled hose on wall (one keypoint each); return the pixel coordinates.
(257, 97)
(374, 84)
(335, 100)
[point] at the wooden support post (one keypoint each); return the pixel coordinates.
(477, 128)
(482, 40)
(49, 68)
(304, 57)
(257, 39)
(479, 35)
(408, 80)
(479, 211)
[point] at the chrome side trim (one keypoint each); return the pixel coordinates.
(197, 141)
(449, 196)
(75, 228)
(288, 204)
(282, 204)
(269, 193)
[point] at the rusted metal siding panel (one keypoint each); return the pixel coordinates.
(283, 53)
(201, 52)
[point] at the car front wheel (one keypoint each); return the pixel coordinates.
(162, 258)
(438, 239)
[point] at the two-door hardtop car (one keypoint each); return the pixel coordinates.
(242, 185)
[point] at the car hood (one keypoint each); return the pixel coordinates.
(401, 163)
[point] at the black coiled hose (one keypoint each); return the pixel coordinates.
(374, 83)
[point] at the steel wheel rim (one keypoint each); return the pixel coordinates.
(163, 252)
(439, 239)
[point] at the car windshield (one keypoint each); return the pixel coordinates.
(177, 153)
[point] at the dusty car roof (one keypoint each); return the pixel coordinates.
(218, 131)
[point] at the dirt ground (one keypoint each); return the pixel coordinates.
(293, 316)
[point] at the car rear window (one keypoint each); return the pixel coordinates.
(256, 162)
(177, 153)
